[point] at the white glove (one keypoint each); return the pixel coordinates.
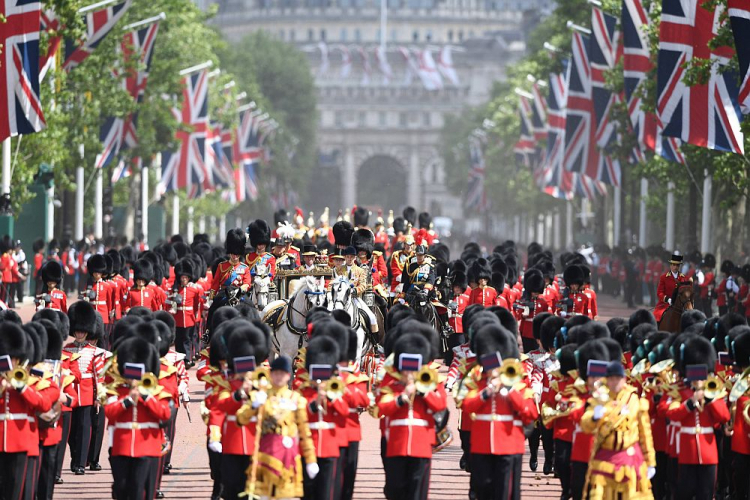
(651, 472)
(182, 387)
(259, 398)
(563, 314)
(598, 412)
(215, 446)
(312, 470)
(669, 301)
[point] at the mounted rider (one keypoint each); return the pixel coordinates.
(668, 284)
(260, 238)
(345, 266)
(419, 273)
(342, 237)
(399, 259)
(229, 273)
(281, 245)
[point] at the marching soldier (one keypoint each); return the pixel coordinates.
(260, 238)
(667, 285)
(102, 295)
(187, 300)
(410, 402)
(706, 282)
(53, 297)
(140, 294)
(530, 306)
(573, 301)
(500, 405)
(483, 294)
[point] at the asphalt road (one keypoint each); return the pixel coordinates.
(190, 476)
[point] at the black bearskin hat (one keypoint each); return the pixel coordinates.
(459, 279)
(360, 237)
(548, 331)
(411, 343)
(425, 219)
(259, 232)
(138, 350)
(410, 215)
(727, 266)
(336, 331)
(12, 340)
(322, 351)
(481, 269)
(116, 261)
(143, 270)
(567, 358)
(533, 281)
(593, 349)
(709, 260)
(52, 271)
(640, 317)
(37, 245)
(97, 264)
(495, 338)
(399, 225)
(82, 317)
(184, 267)
(280, 216)
(697, 351)
(54, 339)
(573, 275)
(741, 347)
(361, 216)
(342, 233)
(235, 242)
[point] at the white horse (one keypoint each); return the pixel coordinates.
(342, 297)
(290, 329)
(260, 289)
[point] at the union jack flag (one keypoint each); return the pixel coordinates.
(524, 148)
(186, 167)
(219, 171)
(636, 65)
(581, 154)
(99, 23)
(706, 115)
(123, 169)
(604, 51)
(248, 153)
(21, 106)
(476, 197)
(49, 23)
(120, 133)
(739, 17)
(539, 113)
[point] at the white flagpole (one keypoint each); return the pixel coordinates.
(96, 6)
(80, 181)
(706, 222)
(6, 166)
(144, 201)
(98, 202)
(175, 214)
(197, 67)
(151, 20)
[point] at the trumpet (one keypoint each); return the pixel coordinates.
(334, 388)
(510, 372)
(148, 384)
(426, 380)
(563, 408)
(715, 388)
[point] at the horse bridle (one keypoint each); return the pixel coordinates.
(345, 299)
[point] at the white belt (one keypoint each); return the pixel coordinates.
(322, 426)
(417, 422)
(494, 417)
(87, 375)
(186, 308)
(353, 410)
(697, 430)
(136, 425)
(14, 416)
(99, 302)
(233, 418)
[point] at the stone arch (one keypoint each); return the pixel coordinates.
(381, 182)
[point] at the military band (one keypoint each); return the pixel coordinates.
(643, 407)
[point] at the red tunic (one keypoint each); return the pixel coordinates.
(104, 302)
(143, 297)
(483, 295)
(327, 435)
(526, 323)
(134, 428)
(664, 292)
(59, 301)
(356, 398)
(188, 312)
(697, 442)
(456, 319)
(19, 408)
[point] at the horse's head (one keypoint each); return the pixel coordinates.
(261, 286)
(341, 293)
(314, 290)
(261, 271)
(683, 295)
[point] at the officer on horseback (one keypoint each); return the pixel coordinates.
(419, 274)
(231, 274)
(668, 284)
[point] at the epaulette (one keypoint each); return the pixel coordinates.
(171, 369)
(42, 384)
(160, 393)
(204, 352)
(294, 248)
(224, 395)
(377, 253)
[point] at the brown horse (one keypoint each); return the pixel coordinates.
(682, 300)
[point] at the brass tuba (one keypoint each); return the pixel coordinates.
(260, 378)
(715, 388)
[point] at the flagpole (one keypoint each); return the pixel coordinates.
(98, 202)
(190, 224)
(670, 216)
(6, 166)
(96, 6)
(569, 226)
(642, 224)
(80, 186)
(617, 217)
(576, 27)
(706, 222)
(197, 67)
(175, 214)
(144, 201)
(151, 20)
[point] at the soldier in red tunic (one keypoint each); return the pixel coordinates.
(51, 296)
(484, 294)
(500, 408)
(667, 285)
(410, 409)
(573, 300)
(187, 299)
(529, 306)
(100, 295)
(141, 295)
(136, 412)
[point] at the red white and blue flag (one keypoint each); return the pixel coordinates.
(20, 103)
(706, 115)
(50, 23)
(186, 167)
(117, 134)
(538, 113)
(580, 154)
(739, 17)
(219, 174)
(636, 65)
(604, 51)
(525, 149)
(123, 169)
(248, 153)
(476, 197)
(99, 24)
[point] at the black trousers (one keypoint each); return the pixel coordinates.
(65, 419)
(171, 430)
(659, 483)
(214, 463)
(183, 341)
(80, 436)
(133, 477)
(672, 471)
(562, 464)
(407, 478)
(695, 482)
(234, 475)
(578, 479)
(323, 487)
(97, 435)
(32, 474)
(350, 470)
(546, 436)
(12, 475)
(47, 471)
(741, 470)
(494, 477)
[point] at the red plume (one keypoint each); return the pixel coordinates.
(298, 211)
(421, 236)
(354, 209)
